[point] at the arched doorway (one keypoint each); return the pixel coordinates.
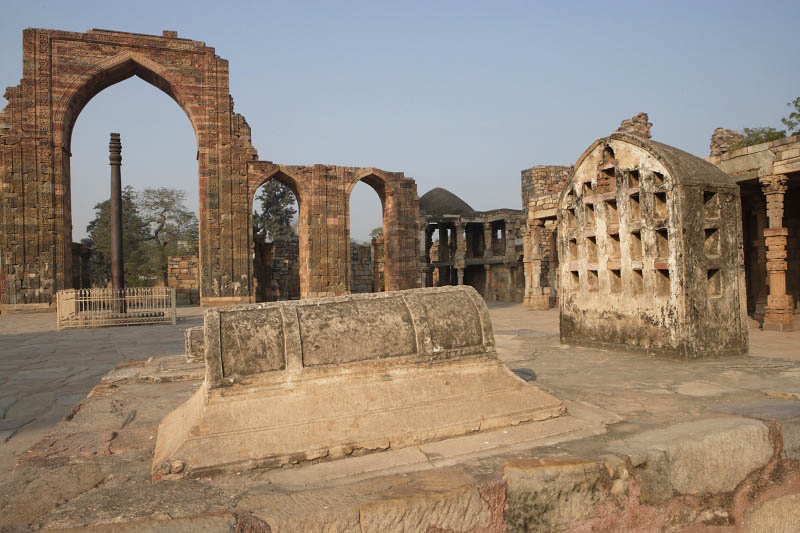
(361, 202)
(62, 71)
(279, 266)
(366, 239)
(159, 180)
(276, 243)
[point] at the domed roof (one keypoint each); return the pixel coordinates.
(441, 202)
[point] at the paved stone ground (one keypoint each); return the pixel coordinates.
(44, 372)
(97, 465)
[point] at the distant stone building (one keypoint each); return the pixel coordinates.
(650, 244)
(482, 249)
(768, 175)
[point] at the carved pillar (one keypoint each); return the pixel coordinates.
(444, 244)
(510, 227)
(535, 296)
(778, 316)
(488, 294)
(487, 239)
(759, 263)
(460, 274)
(461, 245)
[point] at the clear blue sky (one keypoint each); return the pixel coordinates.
(461, 95)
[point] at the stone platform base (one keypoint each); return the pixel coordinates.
(16, 309)
(778, 326)
(343, 412)
(221, 301)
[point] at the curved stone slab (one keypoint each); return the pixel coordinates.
(320, 379)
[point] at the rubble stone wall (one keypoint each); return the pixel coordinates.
(286, 267)
(541, 186)
(183, 275)
(362, 275)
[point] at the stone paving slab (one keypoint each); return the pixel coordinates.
(640, 425)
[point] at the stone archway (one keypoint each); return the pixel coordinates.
(62, 71)
(399, 229)
(260, 174)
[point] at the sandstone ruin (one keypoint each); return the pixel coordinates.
(768, 175)
(312, 380)
(541, 187)
(476, 248)
(650, 242)
(62, 71)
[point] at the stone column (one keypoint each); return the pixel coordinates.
(115, 204)
(487, 239)
(759, 265)
(444, 244)
(535, 296)
(510, 227)
(778, 316)
(460, 251)
(487, 291)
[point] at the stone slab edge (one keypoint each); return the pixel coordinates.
(651, 476)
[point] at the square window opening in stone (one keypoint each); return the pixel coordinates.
(574, 280)
(608, 179)
(588, 188)
(714, 283)
(633, 179)
(612, 215)
(660, 205)
(591, 249)
(711, 247)
(658, 179)
(662, 243)
(615, 281)
(634, 211)
(591, 281)
(613, 246)
(573, 249)
(636, 246)
(662, 282)
(637, 281)
(711, 204)
(571, 220)
(590, 219)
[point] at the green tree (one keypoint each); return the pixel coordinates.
(172, 226)
(751, 136)
(792, 122)
(275, 209)
(137, 244)
(375, 233)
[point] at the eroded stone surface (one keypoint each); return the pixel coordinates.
(781, 515)
(547, 494)
(312, 380)
(649, 241)
(695, 457)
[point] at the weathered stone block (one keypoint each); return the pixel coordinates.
(195, 345)
(779, 515)
(653, 265)
(547, 494)
(693, 458)
(319, 379)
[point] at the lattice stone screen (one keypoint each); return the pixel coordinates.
(91, 308)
